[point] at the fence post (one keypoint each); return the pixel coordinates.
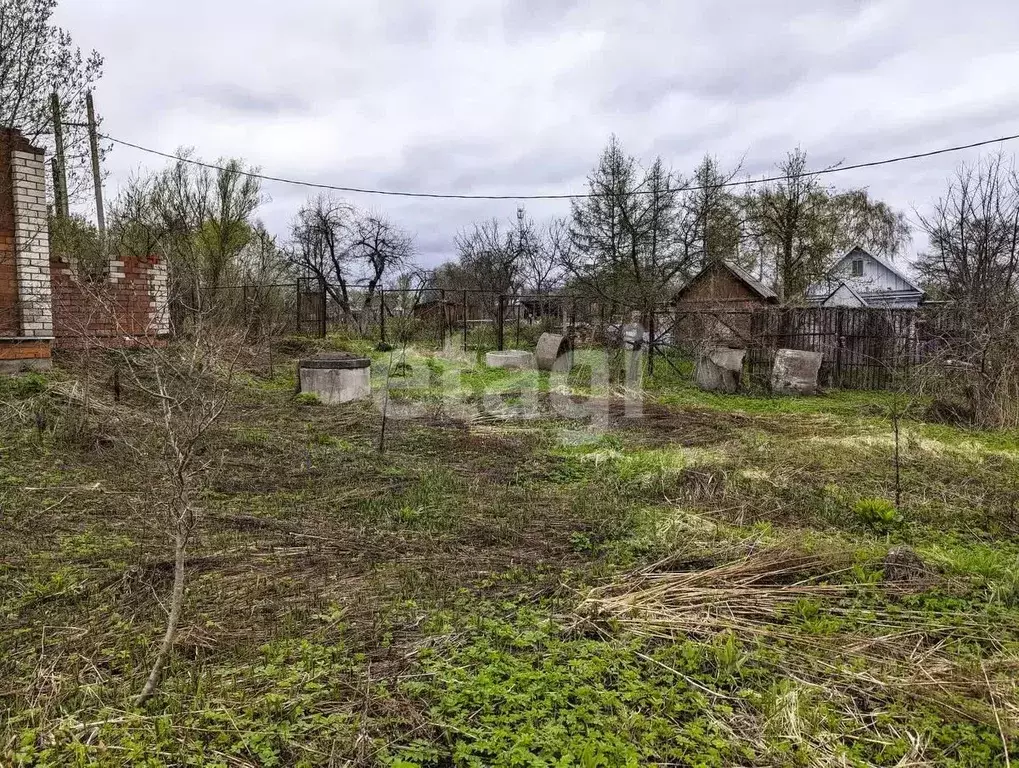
(297, 293)
(382, 313)
(501, 319)
(322, 308)
(837, 363)
(465, 320)
(651, 344)
(518, 325)
(442, 318)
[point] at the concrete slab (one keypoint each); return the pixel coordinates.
(795, 372)
(719, 369)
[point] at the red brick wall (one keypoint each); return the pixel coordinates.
(26, 349)
(110, 313)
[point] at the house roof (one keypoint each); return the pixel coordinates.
(859, 252)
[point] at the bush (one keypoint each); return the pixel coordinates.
(22, 386)
(880, 515)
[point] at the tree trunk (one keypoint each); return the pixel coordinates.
(176, 606)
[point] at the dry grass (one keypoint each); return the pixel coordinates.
(767, 596)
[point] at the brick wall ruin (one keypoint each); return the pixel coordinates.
(43, 303)
(126, 308)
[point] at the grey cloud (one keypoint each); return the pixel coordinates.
(233, 97)
(750, 74)
(520, 95)
(526, 17)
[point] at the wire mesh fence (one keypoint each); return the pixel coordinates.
(862, 348)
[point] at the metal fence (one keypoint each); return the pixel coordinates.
(862, 348)
(470, 319)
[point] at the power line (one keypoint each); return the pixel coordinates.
(561, 196)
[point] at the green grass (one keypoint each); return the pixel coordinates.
(423, 607)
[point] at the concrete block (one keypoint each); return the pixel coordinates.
(795, 372)
(719, 369)
(554, 353)
(19, 366)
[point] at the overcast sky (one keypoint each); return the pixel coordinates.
(520, 96)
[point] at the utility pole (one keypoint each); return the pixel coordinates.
(97, 181)
(59, 168)
(58, 190)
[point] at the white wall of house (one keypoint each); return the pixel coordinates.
(871, 279)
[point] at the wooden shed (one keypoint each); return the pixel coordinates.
(715, 306)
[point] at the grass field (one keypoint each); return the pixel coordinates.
(702, 585)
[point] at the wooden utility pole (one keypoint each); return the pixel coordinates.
(97, 180)
(59, 167)
(58, 190)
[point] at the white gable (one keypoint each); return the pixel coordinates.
(843, 296)
(875, 281)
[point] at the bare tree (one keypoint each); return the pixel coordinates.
(542, 252)
(489, 255)
(973, 262)
(342, 246)
(801, 227)
(185, 387)
(317, 247)
(377, 248)
(37, 59)
(973, 234)
(190, 382)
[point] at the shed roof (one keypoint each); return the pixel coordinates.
(755, 286)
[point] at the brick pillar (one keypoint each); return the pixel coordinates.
(159, 315)
(31, 241)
